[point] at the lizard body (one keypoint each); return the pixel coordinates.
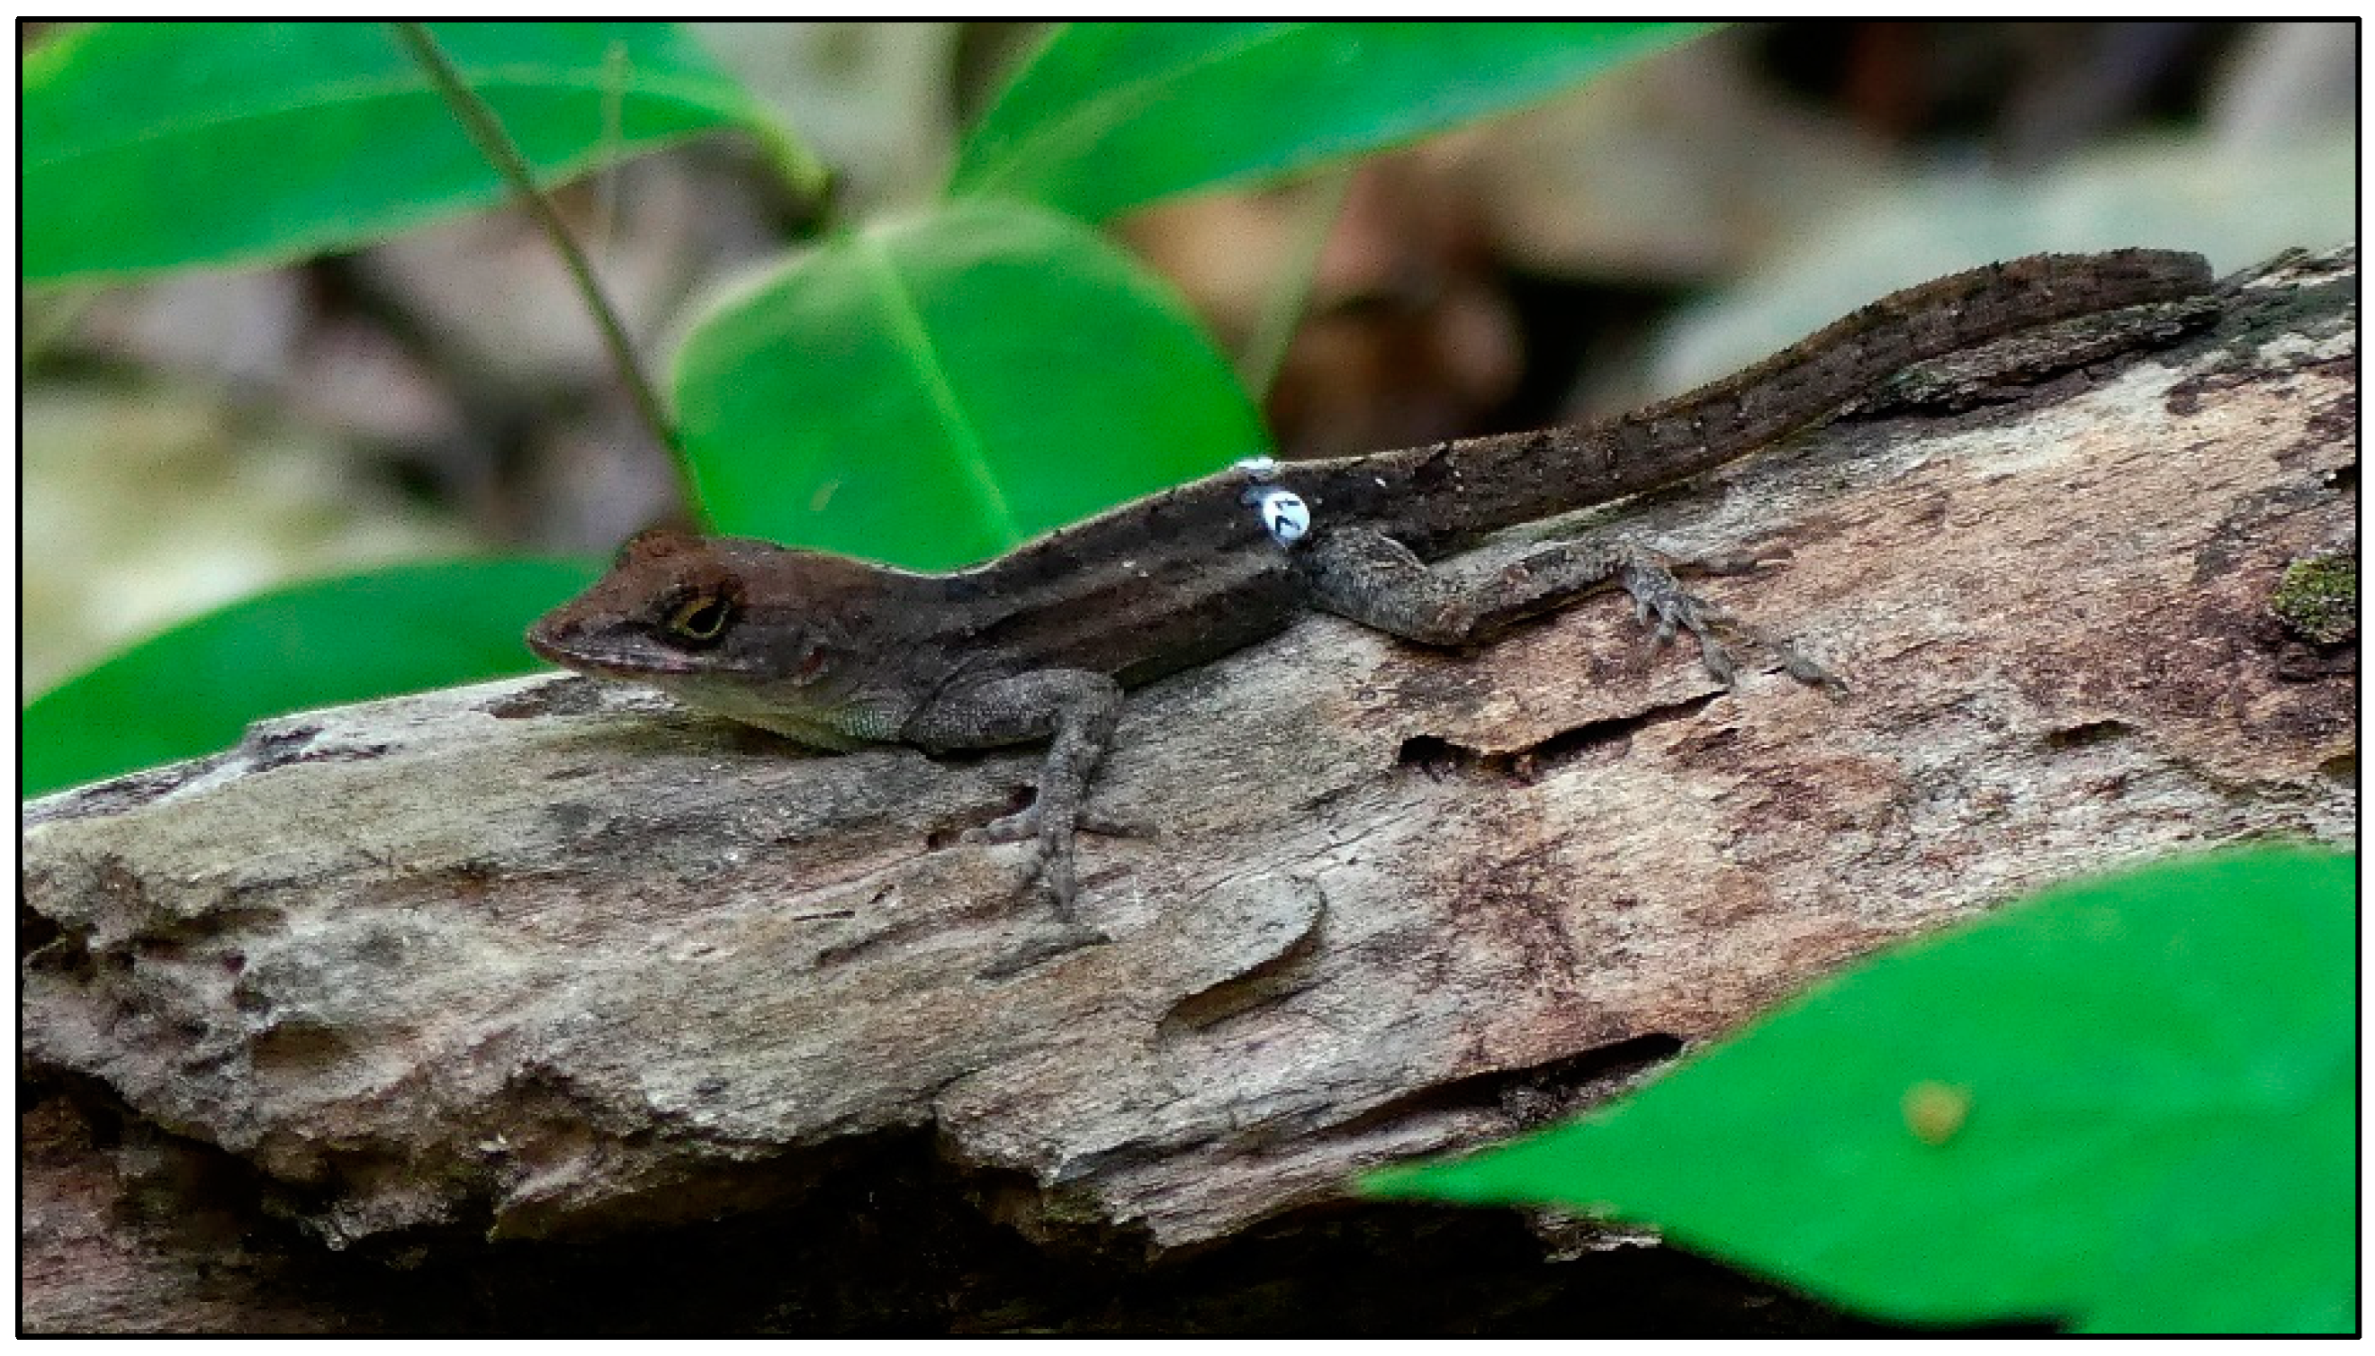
(1039, 643)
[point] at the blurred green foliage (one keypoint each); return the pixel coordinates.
(950, 420)
(1107, 117)
(195, 687)
(159, 146)
(927, 392)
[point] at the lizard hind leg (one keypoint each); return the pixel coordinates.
(1377, 581)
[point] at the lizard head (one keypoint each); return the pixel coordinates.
(765, 634)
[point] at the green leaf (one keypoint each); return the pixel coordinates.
(932, 392)
(155, 146)
(193, 689)
(2127, 1105)
(1110, 116)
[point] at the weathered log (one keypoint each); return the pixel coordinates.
(546, 962)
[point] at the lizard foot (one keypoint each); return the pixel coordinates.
(1656, 592)
(1023, 824)
(1051, 881)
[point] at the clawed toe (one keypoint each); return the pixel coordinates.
(1014, 828)
(1717, 660)
(1806, 670)
(1107, 826)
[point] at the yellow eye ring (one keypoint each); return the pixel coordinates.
(701, 618)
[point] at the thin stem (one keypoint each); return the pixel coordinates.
(1265, 350)
(615, 74)
(497, 146)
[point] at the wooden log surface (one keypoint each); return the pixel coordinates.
(547, 961)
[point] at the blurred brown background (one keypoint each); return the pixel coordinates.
(194, 440)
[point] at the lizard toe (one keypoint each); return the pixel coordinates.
(1113, 826)
(1018, 827)
(1717, 660)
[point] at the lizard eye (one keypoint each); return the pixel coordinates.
(701, 618)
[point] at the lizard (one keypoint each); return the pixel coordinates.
(1040, 643)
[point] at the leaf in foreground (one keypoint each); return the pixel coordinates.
(2127, 1105)
(193, 689)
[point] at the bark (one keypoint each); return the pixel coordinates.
(538, 1005)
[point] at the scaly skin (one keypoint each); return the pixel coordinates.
(1039, 644)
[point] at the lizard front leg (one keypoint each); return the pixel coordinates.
(1377, 581)
(1074, 710)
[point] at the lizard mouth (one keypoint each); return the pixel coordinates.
(590, 655)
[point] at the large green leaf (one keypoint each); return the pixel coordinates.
(1108, 116)
(2128, 1105)
(929, 393)
(154, 146)
(191, 690)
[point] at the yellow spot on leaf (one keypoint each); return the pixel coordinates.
(1935, 1112)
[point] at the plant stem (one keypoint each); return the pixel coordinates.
(496, 145)
(615, 74)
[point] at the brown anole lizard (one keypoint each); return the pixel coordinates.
(1040, 643)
